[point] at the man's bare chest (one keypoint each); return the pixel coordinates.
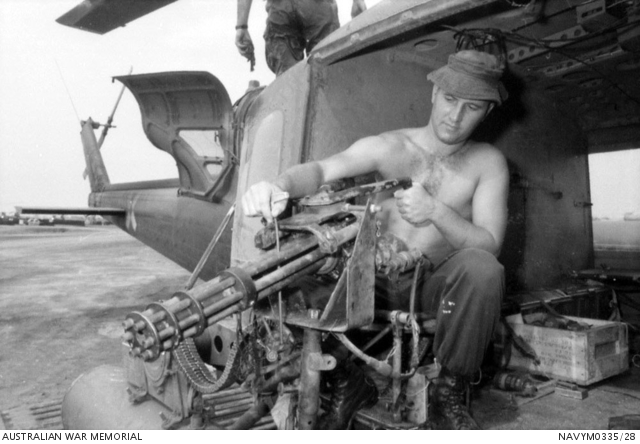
(439, 175)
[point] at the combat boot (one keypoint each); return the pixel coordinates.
(447, 406)
(350, 390)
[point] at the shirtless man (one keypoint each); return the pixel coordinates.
(455, 214)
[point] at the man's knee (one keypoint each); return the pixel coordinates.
(478, 275)
(480, 266)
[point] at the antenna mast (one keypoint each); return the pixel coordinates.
(108, 125)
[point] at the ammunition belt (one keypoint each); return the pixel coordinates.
(198, 374)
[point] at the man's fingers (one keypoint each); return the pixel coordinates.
(244, 42)
(264, 199)
(418, 186)
(248, 208)
(244, 49)
(278, 201)
(278, 208)
(251, 201)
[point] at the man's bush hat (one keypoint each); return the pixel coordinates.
(472, 75)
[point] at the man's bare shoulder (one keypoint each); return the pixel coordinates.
(487, 157)
(383, 142)
(400, 138)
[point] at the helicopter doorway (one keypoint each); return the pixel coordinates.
(615, 194)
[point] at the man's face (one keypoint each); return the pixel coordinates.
(453, 119)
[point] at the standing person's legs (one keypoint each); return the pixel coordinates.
(284, 42)
(319, 18)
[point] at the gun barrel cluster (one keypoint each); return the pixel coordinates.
(163, 325)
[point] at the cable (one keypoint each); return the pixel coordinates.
(515, 4)
(617, 26)
(68, 93)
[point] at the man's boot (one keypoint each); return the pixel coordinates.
(447, 407)
(350, 390)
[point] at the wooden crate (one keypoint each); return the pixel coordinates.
(582, 357)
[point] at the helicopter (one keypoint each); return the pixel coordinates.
(251, 332)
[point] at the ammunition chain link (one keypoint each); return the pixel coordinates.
(255, 353)
(198, 374)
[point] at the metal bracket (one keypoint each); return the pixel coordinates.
(244, 284)
(326, 241)
(321, 362)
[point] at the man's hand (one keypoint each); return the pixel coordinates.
(264, 199)
(245, 44)
(358, 7)
(415, 204)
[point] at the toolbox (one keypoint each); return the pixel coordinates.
(582, 357)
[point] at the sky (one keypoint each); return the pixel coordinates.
(53, 76)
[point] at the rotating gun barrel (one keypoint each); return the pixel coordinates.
(163, 325)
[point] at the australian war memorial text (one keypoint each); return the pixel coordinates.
(70, 436)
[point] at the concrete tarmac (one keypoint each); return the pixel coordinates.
(64, 292)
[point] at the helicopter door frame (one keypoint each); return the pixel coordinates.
(190, 116)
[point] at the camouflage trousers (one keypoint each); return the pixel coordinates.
(295, 27)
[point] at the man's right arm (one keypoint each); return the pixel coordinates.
(243, 39)
(262, 199)
(362, 157)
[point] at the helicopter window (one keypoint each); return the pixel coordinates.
(206, 143)
(214, 168)
(616, 208)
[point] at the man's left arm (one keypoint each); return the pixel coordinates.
(489, 210)
(488, 222)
